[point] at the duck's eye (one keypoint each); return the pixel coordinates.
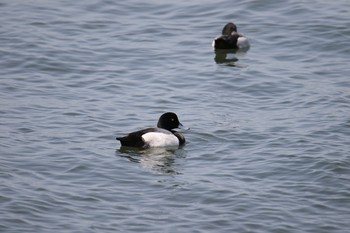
(172, 119)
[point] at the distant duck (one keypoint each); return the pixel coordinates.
(162, 136)
(231, 39)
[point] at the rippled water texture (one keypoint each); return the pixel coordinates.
(268, 145)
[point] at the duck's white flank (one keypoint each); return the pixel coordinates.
(158, 139)
(213, 43)
(243, 42)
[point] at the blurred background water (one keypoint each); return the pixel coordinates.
(268, 145)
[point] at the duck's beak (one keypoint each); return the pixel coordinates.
(181, 126)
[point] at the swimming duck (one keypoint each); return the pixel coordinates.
(162, 136)
(230, 39)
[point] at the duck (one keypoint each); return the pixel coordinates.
(163, 135)
(230, 39)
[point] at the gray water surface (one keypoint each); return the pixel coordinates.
(268, 147)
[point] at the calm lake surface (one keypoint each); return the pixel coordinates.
(268, 148)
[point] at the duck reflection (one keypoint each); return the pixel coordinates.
(229, 56)
(159, 160)
(225, 56)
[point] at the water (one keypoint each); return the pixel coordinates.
(268, 145)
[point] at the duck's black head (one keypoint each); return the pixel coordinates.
(229, 28)
(169, 121)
